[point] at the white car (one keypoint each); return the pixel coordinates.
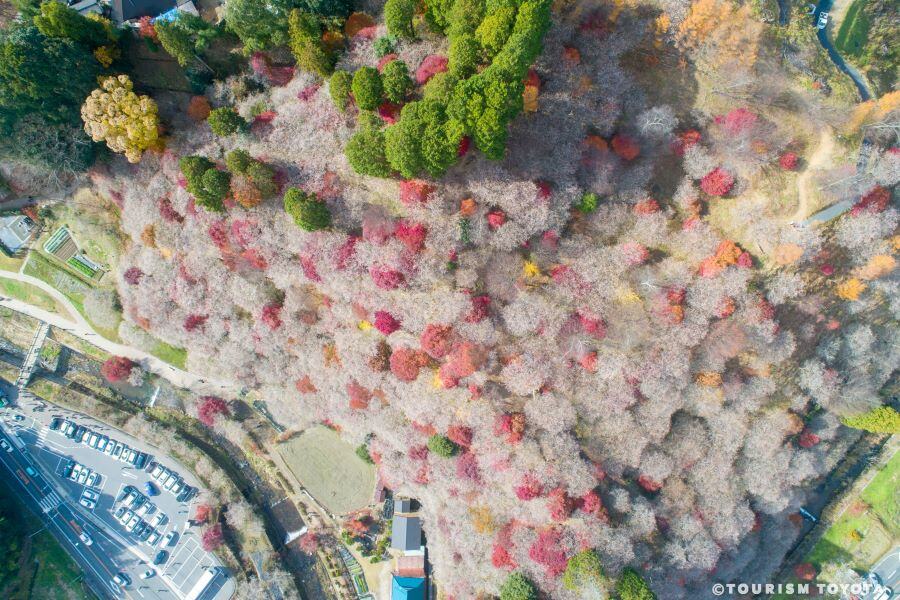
(90, 494)
(157, 470)
(148, 574)
(87, 502)
(132, 523)
(145, 508)
(101, 443)
(82, 477)
(169, 540)
(119, 513)
(92, 439)
(85, 538)
(125, 450)
(125, 517)
(883, 593)
(129, 498)
(93, 479)
(153, 538)
(159, 519)
(5, 445)
(168, 483)
(76, 471)
(823, 20)
(110, 446)
(179, 485)
(121, 579)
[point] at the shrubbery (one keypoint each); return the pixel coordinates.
(339, 86)
(367, 88)
(396, 81)
(226, 121)
(309, 213)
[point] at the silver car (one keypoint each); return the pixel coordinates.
(179, 485)
(145, 509)
(93, 479)
(126, 517)
(82, 477)
(168, 483)
(132, 523)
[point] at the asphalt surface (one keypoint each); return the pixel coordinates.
(114, 549)
(836, 58)
(888, 568)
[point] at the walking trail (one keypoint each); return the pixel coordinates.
(819, 159)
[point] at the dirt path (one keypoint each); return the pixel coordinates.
(819, 159)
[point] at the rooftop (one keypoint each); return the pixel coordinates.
(407, 533)
(408, 588)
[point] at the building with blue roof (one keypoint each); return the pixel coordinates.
(408, 588)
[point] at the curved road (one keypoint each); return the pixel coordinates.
(82, 329)
(837, 59)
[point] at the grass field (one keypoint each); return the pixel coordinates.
(867, 529)
(10, 264)
(329, 468)
(30, 294)
(853, 34)
(72, 286)
(47, 572)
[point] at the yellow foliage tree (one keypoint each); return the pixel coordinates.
(482, 519)
(127, 122)
(878, 266)
(721, 34)
(850, 289)
(105, 55)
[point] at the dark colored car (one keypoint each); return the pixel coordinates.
(160, 557)
(150, 489)
(141, 461)
(55, 424)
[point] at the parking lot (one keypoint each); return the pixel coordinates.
(153, 512)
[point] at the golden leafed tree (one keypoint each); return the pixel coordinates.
(127, 122)
(721, 34)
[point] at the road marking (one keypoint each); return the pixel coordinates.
(894, 572)
(127, 474)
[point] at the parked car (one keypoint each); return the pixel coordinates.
(93, 479)
(179, 485)
(161, 474)
(5, 445)
(69, 429)
(121, 579)
(883, 593)
(90, 494)
(132, 523)
(30, 470)
(148, 574)
(126, 517)
(81, 433)
(67, 468)
(87, 502)
(145, 509)
(823, 20)
(85, 538)
(170, 481)
(138, 500)
(82, 477)
(153, 538)
(101, 443)
(132, 458)
(139, 529)
(150, 489)
(109, 448)
(55, 424)
(75, 472)
(129, 497)
(140, 461)
(170, 538)
(117, 451)
(119, 513)
(92, 440)
(158, 519)
(123, 456)
(145, 534)
(160, 557)
(186, 494)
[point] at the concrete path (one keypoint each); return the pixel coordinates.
(82, 329)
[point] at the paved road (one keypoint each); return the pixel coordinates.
(836, 58)
(82, 329)
(888, 568)
(114, 549)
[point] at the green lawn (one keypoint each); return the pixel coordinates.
(47, 571)
(173, 355)
(330, 469)
(72, 286)
(854, 31)
(31, 294)
(10, 264)
(867, 529)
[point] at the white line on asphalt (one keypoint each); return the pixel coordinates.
(127, 474)
(894, 572)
